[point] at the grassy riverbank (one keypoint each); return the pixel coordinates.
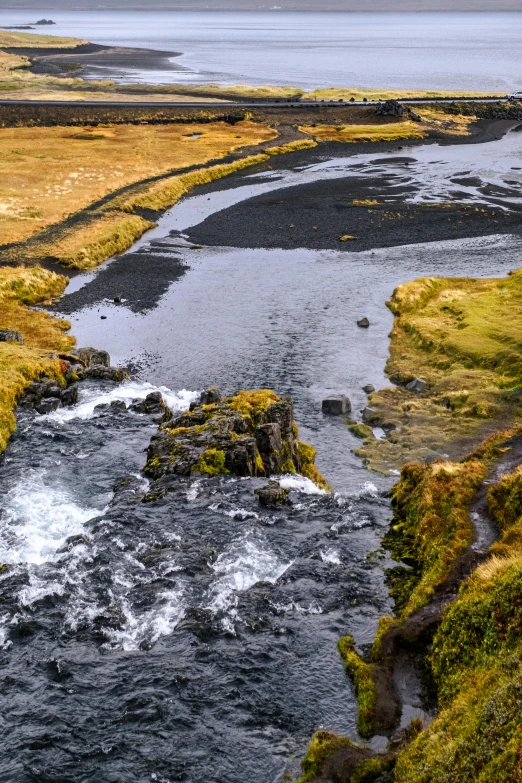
(462, 336)
(42, 334)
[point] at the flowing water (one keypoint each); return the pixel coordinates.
(194, 638)
(434, 51)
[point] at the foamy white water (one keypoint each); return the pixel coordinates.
(38, 519)
(126, 392)
(247, 561)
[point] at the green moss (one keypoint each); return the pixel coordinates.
(362, 675)
(385, 624)
(430, 528)
(370, 771)
(323, 745)
(211, 462)
(362, 431)
(461, 335)
(288, 466)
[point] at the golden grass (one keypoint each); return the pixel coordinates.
(90, 244)
(21, 364)
(12, 40)
(359, 94)
(432, 120)
(393, 131)
(463, 336)
(169, 191)
(27, 90)
(11, 62)
(48, 173)
(292, 146)
(239, 91)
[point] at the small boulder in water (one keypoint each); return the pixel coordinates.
(363, 323)
(48, 405)
(273, 494)
(11, 336)
(336, 405)
(368, 389)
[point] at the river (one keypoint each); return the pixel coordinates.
(194, 638)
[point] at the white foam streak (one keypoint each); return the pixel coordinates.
(245, 563)
(330, 556)
(125, 392)
(37, 521)
(300, 484)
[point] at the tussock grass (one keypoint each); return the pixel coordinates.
(47, 173)
(292, 146)
(168, 192)
(463, 336)
(21, 364)
(15, 40)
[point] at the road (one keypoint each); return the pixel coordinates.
(243, 104)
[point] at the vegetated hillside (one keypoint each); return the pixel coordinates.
(263, 5)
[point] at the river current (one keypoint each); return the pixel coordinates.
(194, 638)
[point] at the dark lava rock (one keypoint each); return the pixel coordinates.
(209, 396)
(91, 357)
(417, 385)
(152, 404)
(48, 405)
(70, 395)
(368, 389)
(250, 434)
(273, 494)
(336, 405)
(391, 109)
(369, 414)
(11, 336)
(363, 323)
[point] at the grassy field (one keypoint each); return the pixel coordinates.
(15, 40)
(385, 130)
(463, 336)
(359, 94)
(49, 173)
(20, 364)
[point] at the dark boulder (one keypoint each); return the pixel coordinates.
(11, 336)
(363, 323)
(47, 405)
(70, 395)
(336, 405)
(368, 389)
(273, 494)
(91, 357)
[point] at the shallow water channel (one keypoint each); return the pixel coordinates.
(194, 638)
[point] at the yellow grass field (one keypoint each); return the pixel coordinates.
(359, 94)
(20, 364)
(49, 173)
(10, 40)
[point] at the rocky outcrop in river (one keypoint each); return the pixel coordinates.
(252, 433)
